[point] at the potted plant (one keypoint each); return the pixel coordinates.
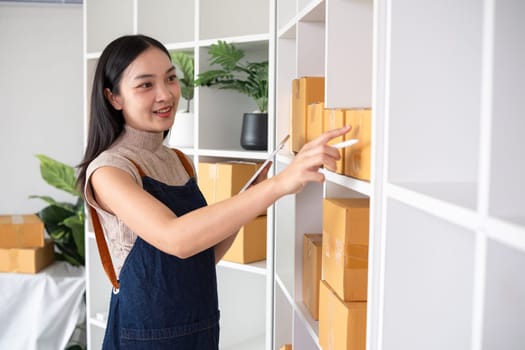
(64, 222)
(248, 78)
(181, 133)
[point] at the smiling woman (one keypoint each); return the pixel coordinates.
(163, 237)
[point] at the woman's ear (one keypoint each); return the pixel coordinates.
(113, 99)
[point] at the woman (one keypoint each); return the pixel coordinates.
(163, 238)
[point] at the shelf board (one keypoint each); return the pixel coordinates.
(506, 232)
(244, 39)
(185, 150)
(189, 45)
(429, 198)
(314, 12)
(310, 324)
(258, 267)
(357, 185)
(97, 323)
(93, 55)
(288, 31)
(233, 154)
(363, 187)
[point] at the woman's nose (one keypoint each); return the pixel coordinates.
(164, 92)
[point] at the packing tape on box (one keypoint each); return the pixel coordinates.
(350, 256)
(13, 260)
(212, 171)
(17, 219)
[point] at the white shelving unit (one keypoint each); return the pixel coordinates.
(444, 81)
(245, 291)
(447, 229)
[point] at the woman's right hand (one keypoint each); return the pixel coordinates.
(305, 166)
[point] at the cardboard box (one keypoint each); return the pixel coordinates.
(334, 119)
(220, 181)
(342, 325)
(305, 91)
(314, 120)
(250, 243)
(21, 231)
(207, 177)
(345, 246)
(357, 157)
(27, 260)
(312, 255)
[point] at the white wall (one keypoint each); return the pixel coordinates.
(40, 98)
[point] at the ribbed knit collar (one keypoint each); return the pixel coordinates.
(142, 139)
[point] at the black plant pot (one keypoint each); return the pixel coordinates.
(254, 132)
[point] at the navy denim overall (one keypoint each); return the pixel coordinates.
(165, 302)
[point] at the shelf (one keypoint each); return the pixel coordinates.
(430, 276)
(116, 17)
(286, 11)
(504, 289)
(433, 91)
(506, 232)
(180, 46)
(242, 296)
(349, 65)
(442, 200)
(243, 18)
(258, 267)
(315, 11)
(245, 42)
(300, 312)
(505, 105)
(288, 31)
(237, 154)
(360, 186)
(174, 24)
(97, 323)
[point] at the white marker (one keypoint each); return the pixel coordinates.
(346, 143)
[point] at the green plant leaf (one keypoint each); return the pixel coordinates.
(64, 205)
(225, 54)
(64, 222)
(249, 78)
(58, 174)
(185, 64)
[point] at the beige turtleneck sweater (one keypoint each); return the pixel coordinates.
(157, 161)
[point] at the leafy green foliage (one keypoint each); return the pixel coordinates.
(249, 78)
(64, 222)
(185, 64)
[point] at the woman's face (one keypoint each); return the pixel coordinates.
(149, 92)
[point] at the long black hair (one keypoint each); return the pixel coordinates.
(105, 122)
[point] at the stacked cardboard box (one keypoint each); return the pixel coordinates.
(357, 157)
(222, 180)
(312, 249)
(355, 160)
(343, 289)
(305, 91)
(23, 248)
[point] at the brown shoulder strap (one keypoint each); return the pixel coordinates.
(103, 250)
(185, 162)
(102, 245)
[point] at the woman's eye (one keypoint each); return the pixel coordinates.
(145, 85)
(172, 77)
